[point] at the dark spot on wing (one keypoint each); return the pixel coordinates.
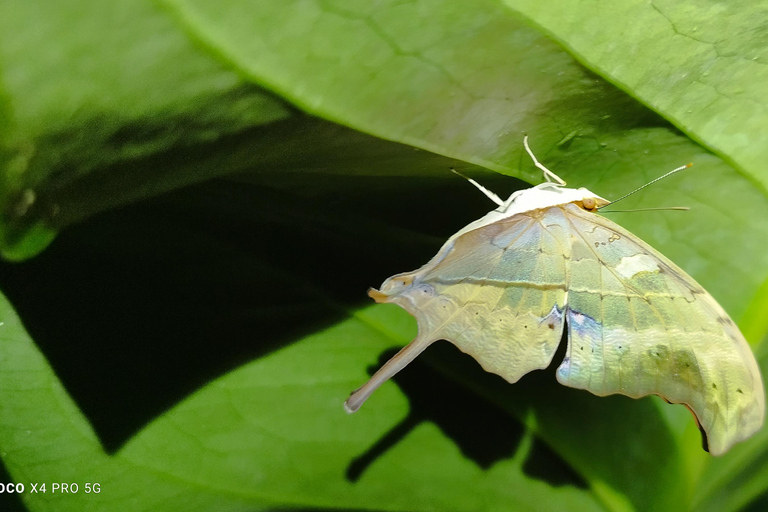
(714, 386)
(684, 368)
(660, 353)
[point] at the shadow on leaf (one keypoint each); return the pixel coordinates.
(141, 306)
(483, 432)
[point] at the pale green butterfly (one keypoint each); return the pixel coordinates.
(503, 288)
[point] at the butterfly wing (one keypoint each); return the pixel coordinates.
(639, 325)
(497, 292)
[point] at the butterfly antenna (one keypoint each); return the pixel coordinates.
(670, 173)
(490, 195)
(659, 209)
(548, 175)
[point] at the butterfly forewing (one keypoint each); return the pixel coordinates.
(638, 325)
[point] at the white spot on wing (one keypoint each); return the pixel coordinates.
(629, 266)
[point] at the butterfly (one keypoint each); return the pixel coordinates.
(505, 287)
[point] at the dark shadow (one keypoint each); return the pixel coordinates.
(543, 463)
(484, 432)
(140, 306)
(137, 308)
(584, 423)
(759, 504)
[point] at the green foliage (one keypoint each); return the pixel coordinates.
(201, 192)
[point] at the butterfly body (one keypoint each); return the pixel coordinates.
(504, 288)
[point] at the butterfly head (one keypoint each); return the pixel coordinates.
(590, 201)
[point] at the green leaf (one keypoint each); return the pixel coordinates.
(465, 69)
(250, 415)
(702, 64)
(45, 440)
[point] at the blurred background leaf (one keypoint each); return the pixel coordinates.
(218, 184)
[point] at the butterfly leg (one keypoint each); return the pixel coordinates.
(548, 175)
(386, 372)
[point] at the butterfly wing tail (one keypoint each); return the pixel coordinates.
(386, 372)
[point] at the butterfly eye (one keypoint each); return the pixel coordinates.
(589, 203)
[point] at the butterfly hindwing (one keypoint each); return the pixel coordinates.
(639, 325)
(498, 293)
